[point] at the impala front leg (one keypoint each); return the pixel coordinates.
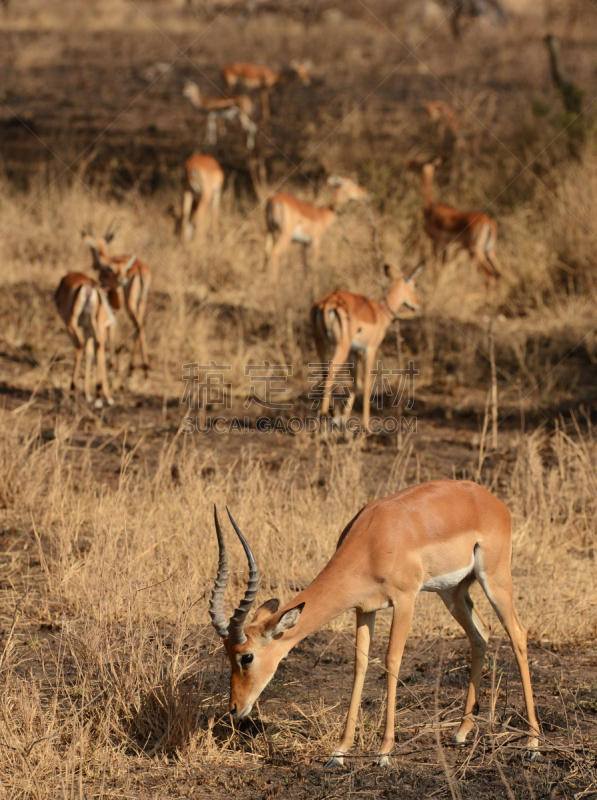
(365, 627)
(403, 612)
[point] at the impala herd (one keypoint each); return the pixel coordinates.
(440, 536)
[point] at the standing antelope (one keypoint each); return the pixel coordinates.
(256, 76)
(87, 315)
(438, 536)
(226, 108)
(202, 188)
(289, 220)
(127, 280)
(345, 324)
(471, 230)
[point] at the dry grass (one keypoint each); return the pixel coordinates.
(108, 666)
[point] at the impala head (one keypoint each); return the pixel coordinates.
(115, 272)
(302, 70)
(346, 189)
(425, 167)
(255, 649)
(99, 244)
(403, 291)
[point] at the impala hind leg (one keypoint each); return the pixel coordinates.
(340, 356)
(401, 621)
(365, 627)
(189, 206)
(497, 585)
(476, 627)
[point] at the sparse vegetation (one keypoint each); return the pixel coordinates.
(112, 680)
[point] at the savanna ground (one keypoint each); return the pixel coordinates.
(113, 683)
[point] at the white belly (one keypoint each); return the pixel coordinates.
(299, 235)
(441, 583)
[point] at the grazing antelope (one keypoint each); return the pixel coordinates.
(439, 537)
(289, 220)
(87, 315)
(345, 324)
(202, 189)
(222, 108)
(256, 76)
(127, 280)
(473, 231)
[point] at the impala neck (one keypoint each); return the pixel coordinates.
(394, 299)
(427, 184)
(328, 596)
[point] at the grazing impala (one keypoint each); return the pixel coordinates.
(87, 315)
(345, 324)
(471, 230)
(438, 536)
(202, 189)
(289, 220)
(222, 108)
(256, 76)
(127, 280)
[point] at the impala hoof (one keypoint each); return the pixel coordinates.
(98, 404)
(382, 761)
(88, 398)
(532, 753)
(110, 401)
(335, 761)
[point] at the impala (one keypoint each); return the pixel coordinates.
(87, 315)
(218, 108)
(438, 536)
(443, 115)
(202, 189)
(127, 280)
(256, 76)
(345, 324)
(473, 231)
(289, 220)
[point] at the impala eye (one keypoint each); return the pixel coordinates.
(246, 659)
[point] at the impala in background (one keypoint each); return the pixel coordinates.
(289, 219)
(473, 231)
(222, 108)
(346, 324)
(127, 280)
(86, 312)
(257, 76)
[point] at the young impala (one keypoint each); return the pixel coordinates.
(202, 189)
(256, 76)
(222, 108)
(345, 324)
(127, 280)
(87, 315)
(473, 231)
(289, 220)
(438, 536)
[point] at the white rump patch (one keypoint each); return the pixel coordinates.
(440, 583)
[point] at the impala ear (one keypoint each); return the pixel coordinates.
(391, 272)
(287, 621)
(266, 610)
(130, 262)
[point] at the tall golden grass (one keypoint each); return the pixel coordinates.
(116, 567)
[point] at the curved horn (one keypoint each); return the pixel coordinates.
(236, 634)
(216, 604)
(415, 274)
